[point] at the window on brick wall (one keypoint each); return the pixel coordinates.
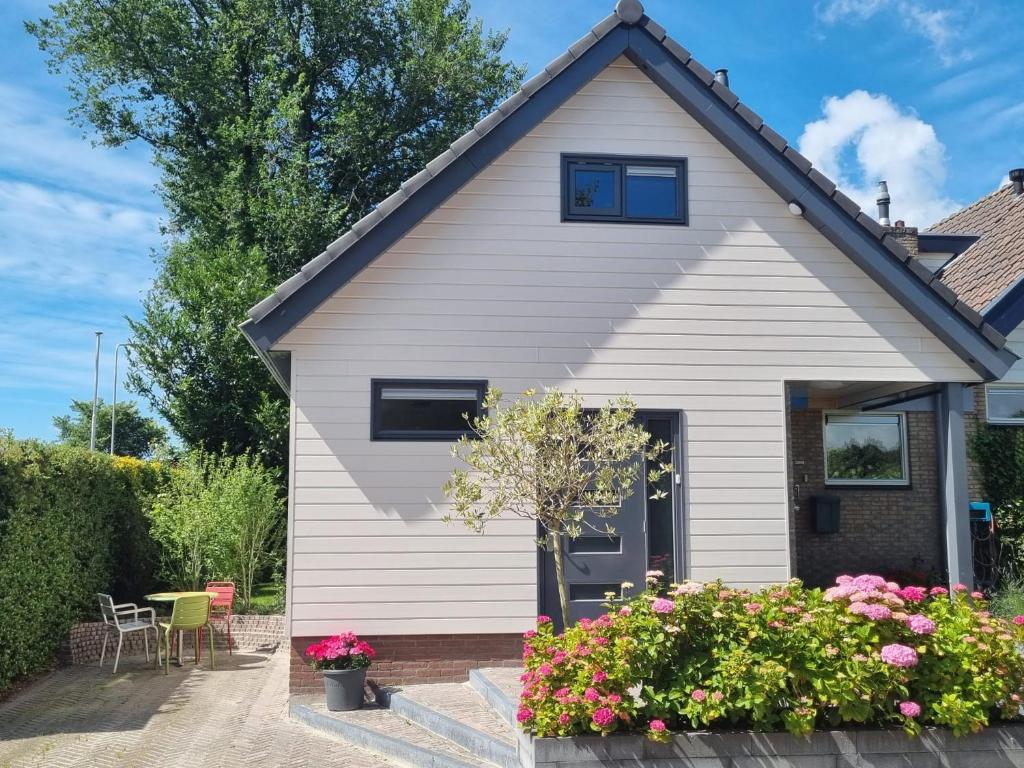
(866, 449)
(1004, 403)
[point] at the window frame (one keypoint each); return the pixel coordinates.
(989, 388)
(377, 431)
(619, 163)
(903, 482)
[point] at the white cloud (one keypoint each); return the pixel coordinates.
(864, 138)
(37, 142)
(937, 25)
(53, 241)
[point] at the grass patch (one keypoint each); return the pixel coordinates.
(267, 598)
(1008, 601)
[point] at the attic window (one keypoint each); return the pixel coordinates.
(424, 409)
(613, 188)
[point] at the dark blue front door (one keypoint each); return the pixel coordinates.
(646, 538)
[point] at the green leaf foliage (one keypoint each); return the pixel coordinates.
(707, 656)
(998, 452)
(72, 523)
(547, 458)
(219, 517)
(276, 125)
(134, 434)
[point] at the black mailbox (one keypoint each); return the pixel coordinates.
(826, 514)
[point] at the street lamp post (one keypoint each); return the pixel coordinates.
(95, 393)
(113, 399)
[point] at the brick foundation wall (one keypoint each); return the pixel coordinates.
(882, 530)
(409, 659)
(248, 632)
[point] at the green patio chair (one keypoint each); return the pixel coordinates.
(192, 612)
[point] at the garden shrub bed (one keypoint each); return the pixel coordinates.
(72, 523)
(866, 652)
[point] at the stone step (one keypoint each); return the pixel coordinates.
(458, 713)
(388, 734)
(499, 687)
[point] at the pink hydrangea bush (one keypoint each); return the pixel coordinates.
(865, 651)
(344, 651)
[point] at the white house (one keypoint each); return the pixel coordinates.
(622, 224)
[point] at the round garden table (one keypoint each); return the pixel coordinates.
(170, 597)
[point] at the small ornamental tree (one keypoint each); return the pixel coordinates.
(547, 458)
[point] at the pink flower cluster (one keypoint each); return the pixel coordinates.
(899, 655)
(344, 651)
(662, 605)
(866, 594)
(545, 684)
(921, 625)
(910, 709)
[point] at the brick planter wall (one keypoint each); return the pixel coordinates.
(992, 748)
(882, 530)
(408, 659)
(248, 632)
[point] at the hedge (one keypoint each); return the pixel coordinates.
(72, 523)
(998, 451)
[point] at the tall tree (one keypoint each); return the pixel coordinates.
(276, 124)
(134, 434)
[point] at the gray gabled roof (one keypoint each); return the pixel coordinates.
(629, 32)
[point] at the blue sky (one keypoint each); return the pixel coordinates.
(928, 94)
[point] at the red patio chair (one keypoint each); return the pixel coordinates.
(221, 605)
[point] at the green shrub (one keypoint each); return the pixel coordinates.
(72, 523)
(250, 521)
(1008, 601)
(786, 658)
(998, 451)
(218, 518)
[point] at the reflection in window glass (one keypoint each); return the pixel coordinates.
(1005, 404)
(660, 526)
(651, 192)
(865, 448)
(594, 189)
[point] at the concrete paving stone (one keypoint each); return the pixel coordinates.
(233, 716)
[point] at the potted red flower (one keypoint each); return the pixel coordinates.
(343, 659)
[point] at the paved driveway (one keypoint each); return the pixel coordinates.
(195, 717)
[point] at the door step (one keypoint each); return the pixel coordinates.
(440, 725)
(457, 712)
(388, 734)
(499, 687)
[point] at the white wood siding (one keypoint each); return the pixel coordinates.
(708, 319)
(1015, 342)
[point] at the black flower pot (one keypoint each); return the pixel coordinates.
(344, 689)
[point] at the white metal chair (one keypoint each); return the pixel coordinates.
(125, 618)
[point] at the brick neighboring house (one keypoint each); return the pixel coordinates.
(622, 224)
(978, 252)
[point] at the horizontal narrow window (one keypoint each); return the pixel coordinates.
(592, 592)
(866, 449)
(1004, 404)
(623, 189)
(424, 409)
(595, 545)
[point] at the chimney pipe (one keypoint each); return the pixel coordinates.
(722, 76)
(883, 203)
(1017, 177)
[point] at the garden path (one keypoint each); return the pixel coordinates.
(233, 716)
